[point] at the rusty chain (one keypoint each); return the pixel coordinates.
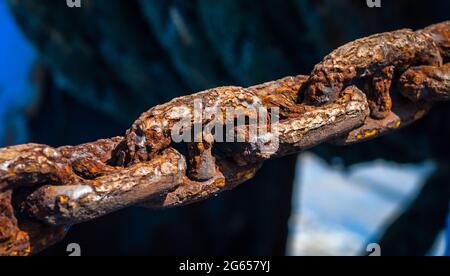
(362, 90)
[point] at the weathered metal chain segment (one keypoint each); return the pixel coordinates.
(362, 90)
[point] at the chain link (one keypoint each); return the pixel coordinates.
(361, 91)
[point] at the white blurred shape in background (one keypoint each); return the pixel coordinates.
(340, 212)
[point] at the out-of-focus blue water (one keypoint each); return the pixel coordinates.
(16, 91)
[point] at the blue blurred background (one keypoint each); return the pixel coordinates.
(69, 76)
(16, 90)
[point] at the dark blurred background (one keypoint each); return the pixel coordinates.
(73, 75)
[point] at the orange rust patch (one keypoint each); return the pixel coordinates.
(63, 199)
(419, 115)
(247, 174)
(220, 183)
(367, 134)
(27, 251)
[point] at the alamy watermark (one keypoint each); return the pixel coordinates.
(253, 124)
(374, 250)
(74, 249)
(373, 3)
(73, 3)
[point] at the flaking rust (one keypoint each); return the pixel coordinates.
(426, 83)
(13, 240)
(371, 63)
(348, 98)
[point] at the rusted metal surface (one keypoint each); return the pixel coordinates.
(426, 83)
(372, 60)
(13, 240)
(347, 99)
